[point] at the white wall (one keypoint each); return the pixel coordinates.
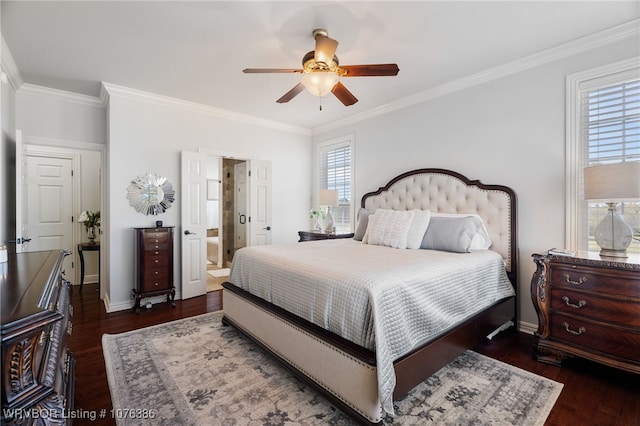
(41, 113)
(146, 136)
(510, 131)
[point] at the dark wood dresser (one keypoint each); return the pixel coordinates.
(319, 235)
(588, 306)
(38, 371)
(154, 264)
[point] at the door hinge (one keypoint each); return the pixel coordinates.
(249, 219)
(249, 173)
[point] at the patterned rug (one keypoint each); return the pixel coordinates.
(195, 371)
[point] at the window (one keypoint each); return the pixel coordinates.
(335, 171)
(604, 128)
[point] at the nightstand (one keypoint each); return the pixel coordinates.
(587, 306)
(319, 235)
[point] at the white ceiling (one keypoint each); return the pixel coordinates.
(196, 50)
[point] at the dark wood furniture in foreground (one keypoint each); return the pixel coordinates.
(154, 264)
(593, 394)
(82, 247)
(319, 235)
(588, 306)
(38, 371)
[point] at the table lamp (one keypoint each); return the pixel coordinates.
(328, 198)
(612, 184)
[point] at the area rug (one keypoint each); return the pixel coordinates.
(195, 371)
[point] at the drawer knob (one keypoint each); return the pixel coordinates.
(580, 304)
(580, 281)
(157, 261)
(575, 333)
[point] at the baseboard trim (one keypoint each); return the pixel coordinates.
(527, 327)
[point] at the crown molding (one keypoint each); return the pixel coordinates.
(590, 42)
(61, 95)
(63, 144)
(139, 95)
(9, 66)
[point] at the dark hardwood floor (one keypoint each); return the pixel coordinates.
(592, 394)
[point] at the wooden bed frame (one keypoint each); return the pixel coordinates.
(350, 382)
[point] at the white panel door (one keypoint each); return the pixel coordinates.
(44, 204)
(193, 231)
(260, 203)
(47, 205)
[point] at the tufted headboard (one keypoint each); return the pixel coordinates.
(445, 191)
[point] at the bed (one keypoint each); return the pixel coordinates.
(365, 322)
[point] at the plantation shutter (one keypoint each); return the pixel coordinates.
(610, 133)
(611, 123)
(335, 173)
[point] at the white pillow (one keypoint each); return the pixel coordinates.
(418, 228)
(389, 228)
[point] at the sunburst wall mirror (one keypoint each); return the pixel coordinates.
(150, 194)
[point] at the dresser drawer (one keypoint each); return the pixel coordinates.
(155, 278)
(152, 260)
(161, 247)
(156, 236)
(618, 311)
(594, 336)
(596, 280)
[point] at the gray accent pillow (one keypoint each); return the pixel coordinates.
(455, 234)
(363, 222)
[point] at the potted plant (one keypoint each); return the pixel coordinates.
(91, 221)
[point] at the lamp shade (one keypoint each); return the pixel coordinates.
(328, 197)
(612, 182)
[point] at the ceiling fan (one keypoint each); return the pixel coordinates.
(321, 72)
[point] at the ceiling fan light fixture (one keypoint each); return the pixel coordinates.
(319, 83)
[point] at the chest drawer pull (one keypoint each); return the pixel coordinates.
(575, 333)
(580, 281)
(580, 304)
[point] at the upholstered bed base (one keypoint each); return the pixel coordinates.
(348, 381)
(345, 373)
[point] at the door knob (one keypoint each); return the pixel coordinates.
(268, 228)
(187, 232)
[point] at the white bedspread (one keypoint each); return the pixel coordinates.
(381, 298)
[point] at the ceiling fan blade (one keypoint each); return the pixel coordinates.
(343, 94)
(270, 70)
(291, 94)
(371, 70)
(325, 49)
